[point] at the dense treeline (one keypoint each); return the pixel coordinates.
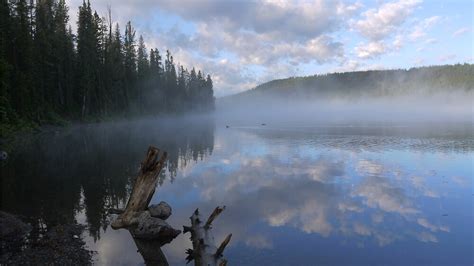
(374, 83)
(48, 72)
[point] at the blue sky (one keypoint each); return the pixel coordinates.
(245, 43)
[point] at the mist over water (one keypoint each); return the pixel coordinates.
(443, 107)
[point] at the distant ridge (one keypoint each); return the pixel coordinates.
(373, 83)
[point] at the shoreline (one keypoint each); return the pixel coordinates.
(22, 243)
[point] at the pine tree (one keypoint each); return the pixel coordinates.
(193, 89)
(63, 58)
(87, 61)
(155, 100)
(107, 74)
(23, 93)
(7, 113)
(44, 63)
(98, 97)
(181, 87)
(170, 84)
(118, 89)
(142, 60)
(209, 94)
(200, 98)
(142, 73)
(130, 62)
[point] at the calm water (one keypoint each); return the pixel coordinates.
(295, 195)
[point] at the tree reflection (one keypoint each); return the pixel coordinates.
(88, 169)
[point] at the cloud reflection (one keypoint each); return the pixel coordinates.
(313, 194)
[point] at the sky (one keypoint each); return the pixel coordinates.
(243, 43)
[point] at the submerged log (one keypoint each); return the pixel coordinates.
(151, 253)
(205, 251)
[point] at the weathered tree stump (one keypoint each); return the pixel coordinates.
(145, 223)
(204, 251)
(143, 189)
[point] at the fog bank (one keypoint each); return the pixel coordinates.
(454, 106)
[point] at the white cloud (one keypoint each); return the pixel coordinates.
(460, 32)
(447, 57)
(385, 22)
(246, 32)
(462, 181)
(431, 41)
(427, 237)
(347, 65)
(398, 42)
(419, 183)
(258, 241)
(434, 228)
(420, 30)
(370, 50)
(362, 229)
(349, 206)
(346, 9)
(419, 61)
(381, 193)
(369, 167)
(379, 23)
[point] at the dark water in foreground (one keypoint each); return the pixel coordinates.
(312, 195)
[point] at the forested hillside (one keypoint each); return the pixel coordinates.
(50, 73)
(377, 83)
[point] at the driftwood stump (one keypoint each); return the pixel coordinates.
(145, 223)
(205, 251)
(143, 189)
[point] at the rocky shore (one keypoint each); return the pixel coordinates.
(22, 244)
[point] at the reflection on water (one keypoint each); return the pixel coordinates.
(87, 169)
(296, 195)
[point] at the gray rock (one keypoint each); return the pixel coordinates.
(11, 226)
(149, 227)
(3, 155)
(161, 210)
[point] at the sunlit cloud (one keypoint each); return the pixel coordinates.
(385, 20)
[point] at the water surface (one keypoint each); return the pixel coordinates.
(347, 194)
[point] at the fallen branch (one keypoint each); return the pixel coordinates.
(205, 251)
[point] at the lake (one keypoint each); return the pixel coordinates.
(295, 194)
